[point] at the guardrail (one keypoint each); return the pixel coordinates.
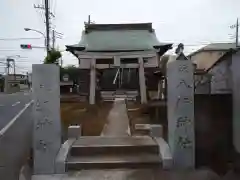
(15, 143)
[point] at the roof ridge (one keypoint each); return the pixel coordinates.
(112, 27)
(218, 46)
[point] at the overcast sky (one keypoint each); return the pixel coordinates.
(193, 22)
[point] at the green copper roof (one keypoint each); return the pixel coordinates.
(125, 37)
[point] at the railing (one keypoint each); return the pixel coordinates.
(15, 144)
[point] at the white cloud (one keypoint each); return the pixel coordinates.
(187, 21)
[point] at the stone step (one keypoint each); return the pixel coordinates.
(114, 95)
(113, 149)
(131, 93)
(113, 98)
(113, 145)
(114, 162)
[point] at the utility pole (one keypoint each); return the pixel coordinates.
(48, 16)
(6, 84)
(237, 32)
(47, 24)
(6, 79)
(53, 39)
(14, 70)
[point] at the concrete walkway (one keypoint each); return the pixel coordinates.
(117, 120)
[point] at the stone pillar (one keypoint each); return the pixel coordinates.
(117, 61)
(47, 122)
(180, 102)
(74, 131)
(142, 81)
(236, 100)
(92, 81)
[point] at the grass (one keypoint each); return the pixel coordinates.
(137, 115)
(92, 118)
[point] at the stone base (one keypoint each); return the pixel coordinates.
(74, 131)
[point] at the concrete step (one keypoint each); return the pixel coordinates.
(114, 162)
(131, 94)
(86, 146)
(111, 99)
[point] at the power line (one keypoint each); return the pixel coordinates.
(40, 13)
(42, 7)
(236, 26)
(55, 6)
(12, 50)
(17, 39)
(49, 5)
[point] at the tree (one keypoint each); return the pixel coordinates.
(163, 63)
(53, 57)
(71, 71)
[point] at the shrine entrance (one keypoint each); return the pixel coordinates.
(126, 79)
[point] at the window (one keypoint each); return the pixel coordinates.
(129, 60)
(145, 60)
(104, 61)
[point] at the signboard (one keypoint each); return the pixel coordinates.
(65, 77)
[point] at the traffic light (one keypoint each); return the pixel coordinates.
(26, 46)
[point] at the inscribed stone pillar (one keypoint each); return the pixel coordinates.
(236, 100)
(92, 81)
(142, 81)
(180, 102)
(47, 123)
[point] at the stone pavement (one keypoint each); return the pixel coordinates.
(143, 174)
(117, 120)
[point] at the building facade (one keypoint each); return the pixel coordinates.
(215, 60)
(118, 58)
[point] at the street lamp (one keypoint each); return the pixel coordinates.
(45, 40)
(29, 29)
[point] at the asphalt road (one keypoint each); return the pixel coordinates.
(11, 105)
(15, 133)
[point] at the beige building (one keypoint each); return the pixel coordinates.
(15, 82)
(208, 56)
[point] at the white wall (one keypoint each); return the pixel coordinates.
(84, 63)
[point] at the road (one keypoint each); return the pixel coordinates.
(15, 133)
(11, 105)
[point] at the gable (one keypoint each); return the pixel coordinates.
(206, 59)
